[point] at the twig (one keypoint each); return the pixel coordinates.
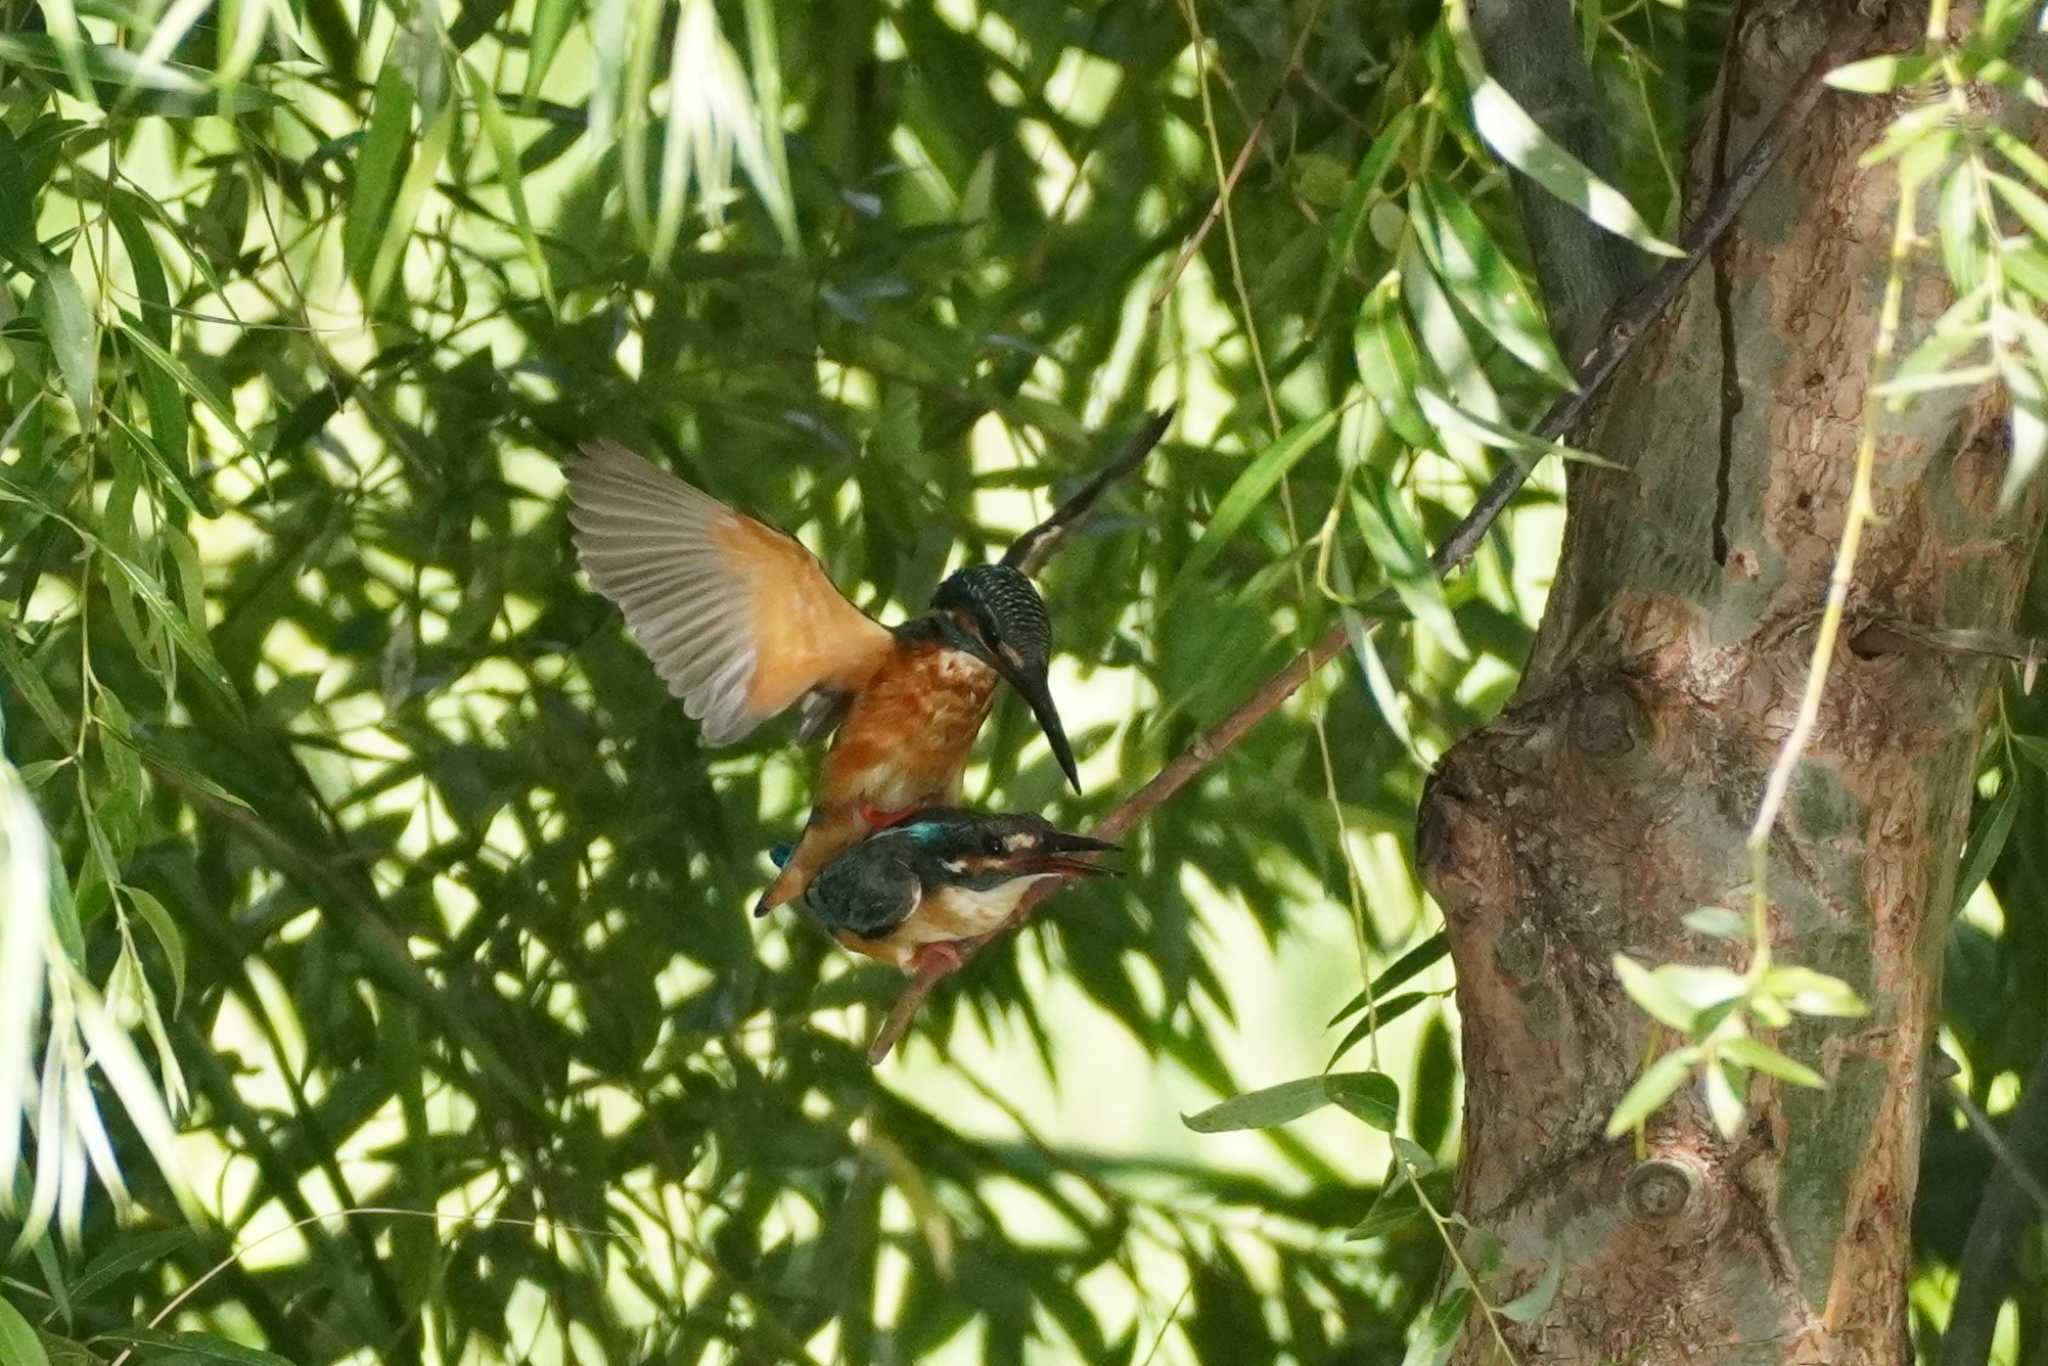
(1030, 551)
(1626, 327)
(1985, 1270)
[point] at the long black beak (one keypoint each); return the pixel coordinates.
(1032, 686)
(1060, 852)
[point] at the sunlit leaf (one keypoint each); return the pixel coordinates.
(1761, 1056)
(1876, 75)
(1659, 1082)
(1533, 1303)
(74, 337)
(19, 1345)
(1515, 136)
(378, 166)
(1390, 364)
(1480, 278)
(1276, 1105)
(1813, 993)
(1250, 489)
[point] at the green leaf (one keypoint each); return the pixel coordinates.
(1660, 1080)
(1397, 1207)
(1962, 249)
(18, 241)
(2029, 206)
(59, 304)
(2029, 424)
(169, 431)
(1443, 338)
(1414, 1156)
(188, 381)
(1907, 130)
(2030, 162)
(1417, 960)
(1433, 1344)
(1363, 193)
(191, 639)
(29, 684)
(19, 1343)
(1876, 75)
(1717, 922)
(1534, 1302)
(1371, 1096)
(1290, 1100)
(1387, 1011)
(113, 77)
(1447, 416)
(1510, 131)
(405, 209)
(1987, 841)
(1390, 364)
(771, 180)
(131, 1252)
(168, 937)
(1246, 492)
(1725, 1105)
(1482, 281)
(1394, 539)
(1756, 1054)
(499, 135)
(195, 1347)
(551, 20)
(1806, 992)
(377, 170)
(1655, 995)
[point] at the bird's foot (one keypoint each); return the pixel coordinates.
(879, 819)
(932, 961)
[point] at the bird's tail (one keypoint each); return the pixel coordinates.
(827, 836)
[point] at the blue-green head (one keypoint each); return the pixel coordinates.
(950, 847)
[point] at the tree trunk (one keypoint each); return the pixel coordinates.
(1613, 796)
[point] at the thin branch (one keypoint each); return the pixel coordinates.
(1985, 1272)
(1030, 551)
(1626, 327)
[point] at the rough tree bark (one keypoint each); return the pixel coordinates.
(1614, 794)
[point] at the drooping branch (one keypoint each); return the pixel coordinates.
(1624, 330)
(2003, 1213)
(1030, 551)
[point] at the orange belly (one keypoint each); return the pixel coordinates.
(904, 744)
(906, 738)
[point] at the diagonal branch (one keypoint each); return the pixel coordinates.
(1627, 325)
(1030, 551)
(2003, 1214)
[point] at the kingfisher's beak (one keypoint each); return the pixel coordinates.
(1061, 852)
(1031, 684)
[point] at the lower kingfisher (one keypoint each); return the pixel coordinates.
(741, 621)
(909, 894)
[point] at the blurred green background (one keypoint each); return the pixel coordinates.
(414, 891)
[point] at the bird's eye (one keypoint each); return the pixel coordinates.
(992, 843)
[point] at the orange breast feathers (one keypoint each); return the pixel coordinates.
(906, 739)
(903, 744)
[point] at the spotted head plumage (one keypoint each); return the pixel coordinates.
(1001, 617)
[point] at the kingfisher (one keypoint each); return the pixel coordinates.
(911, 893)
(742, 622)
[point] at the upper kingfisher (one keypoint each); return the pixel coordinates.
(741, 621)
(908, 894)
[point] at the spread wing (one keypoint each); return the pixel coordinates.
(739, 619)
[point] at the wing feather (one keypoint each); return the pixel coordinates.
(739, 619)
